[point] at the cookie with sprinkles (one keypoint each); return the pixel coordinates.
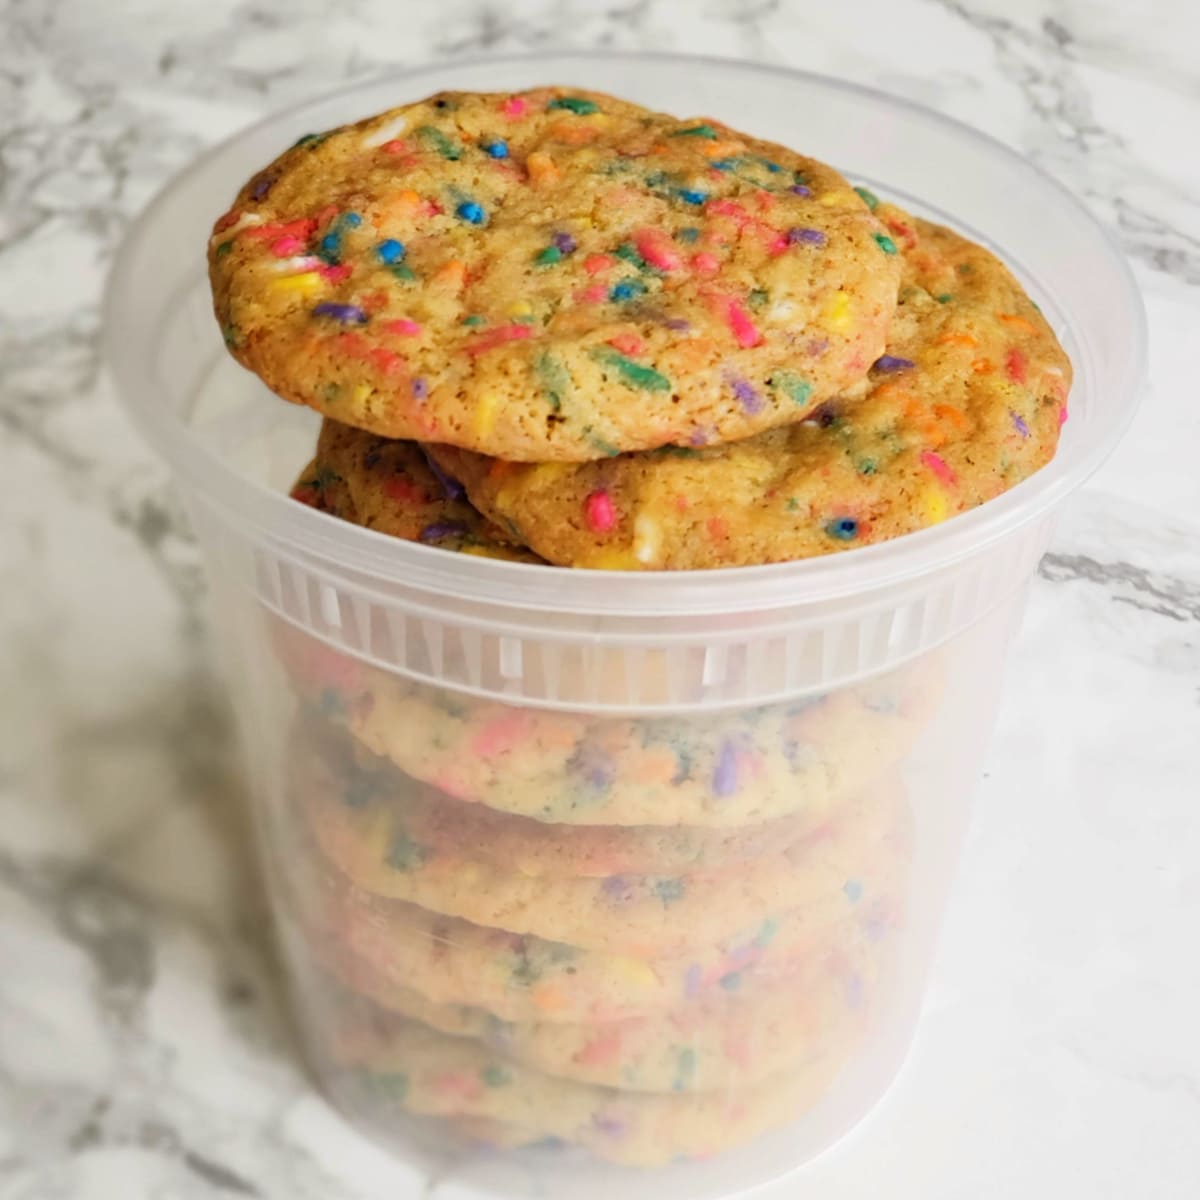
(724, 1038)
(724, 770)
(966, 402)
(552, 276)
(644, 915)
(405, 1067)
(394, 487)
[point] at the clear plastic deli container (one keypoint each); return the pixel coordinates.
(600, 883)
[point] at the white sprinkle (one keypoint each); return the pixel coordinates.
(387, 132)
(302, 262)
(645, 539)
(244, 221)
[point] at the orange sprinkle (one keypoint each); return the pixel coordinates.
(628, 343)
(983, 366)
(1016, 365)
(541, 168)
(947, 412)
(717, 528)
(955, 339)
(452, 273)
(497, 336)
(1017, 322)
(549, 998)
(595, 263)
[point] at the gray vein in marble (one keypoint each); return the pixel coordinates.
(1150, 591)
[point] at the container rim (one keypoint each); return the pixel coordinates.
(275, 518)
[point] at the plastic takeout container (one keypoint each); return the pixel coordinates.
(578, 871)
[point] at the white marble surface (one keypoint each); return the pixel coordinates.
(142, 1050)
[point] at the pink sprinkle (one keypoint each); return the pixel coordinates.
(938, 466)
(656, 250)
(404, 327)
(732, 209)
(627, 343)
(286, 246)
(336, 274)
(591, 295)
(514, 107)
(778, 244)
(743, 328)
(1062, 416)
(600, 512)
(603, 1048)
(502, 733)
(497, 336)
(595, 263)
(705, 263)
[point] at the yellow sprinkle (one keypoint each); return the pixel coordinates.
(933, 501)
(360, 393)
(646, 539)
(306, 281)
(611, 560)
(633, 970)
(485, 413)
(837, 311)
(546, 473)
(522, 308)
(839, 198)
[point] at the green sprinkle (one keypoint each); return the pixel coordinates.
(403, 271)
(767, 932)
(685, 1068)
(310, 140)
(867, 466)
(731, 983)
(230, 334)
(548, 257)
(360, 789)
(758, 297)
(474, 320)
(405, 854)
(791, 385)
(700, 131)
(628, 252)
(576, 104)
(868, 197)
(963, 268)
(434, 137)
(595, 440)
(688, 234)
(555, 380)
(944, 298)
(495, 1076)
(224, 248)
(678, 452)
(329, 704)
(668, 890)
(393, 1086)
(793, 505)
(885, 243)
(645, 379)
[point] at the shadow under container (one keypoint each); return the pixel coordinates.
(579, 873)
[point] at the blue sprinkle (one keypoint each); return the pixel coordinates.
(844, 529)
(688, 196)
(390, 250)
(627, 289)
(724, 164)
(496, 149)
(330, 246)
(853, 890)
(470, 211)
(352, 219)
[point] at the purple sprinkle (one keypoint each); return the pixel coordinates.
(441, 529)
(346, 313)
(594, 765)
(798, 189)
(614, 1127)
(700, 436)
(565, 242)
(618, 888)
(817, 347)
(420, 389)
(262, 185)
(1019, 422)
(810, 237)
(889, 362)
(692, 981)
(453, 489)
(725, 774)
(677, 323)
(744, 390)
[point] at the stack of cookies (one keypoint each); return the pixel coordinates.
(556, 328)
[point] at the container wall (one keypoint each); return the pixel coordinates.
(639, 939)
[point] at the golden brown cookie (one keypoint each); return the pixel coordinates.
(966, 402)
(551, 275)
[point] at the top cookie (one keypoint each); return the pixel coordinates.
(552, 276)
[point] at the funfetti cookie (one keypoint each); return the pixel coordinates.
(551, 275)
(966, 402)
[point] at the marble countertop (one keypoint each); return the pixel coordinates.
(143, 1052)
